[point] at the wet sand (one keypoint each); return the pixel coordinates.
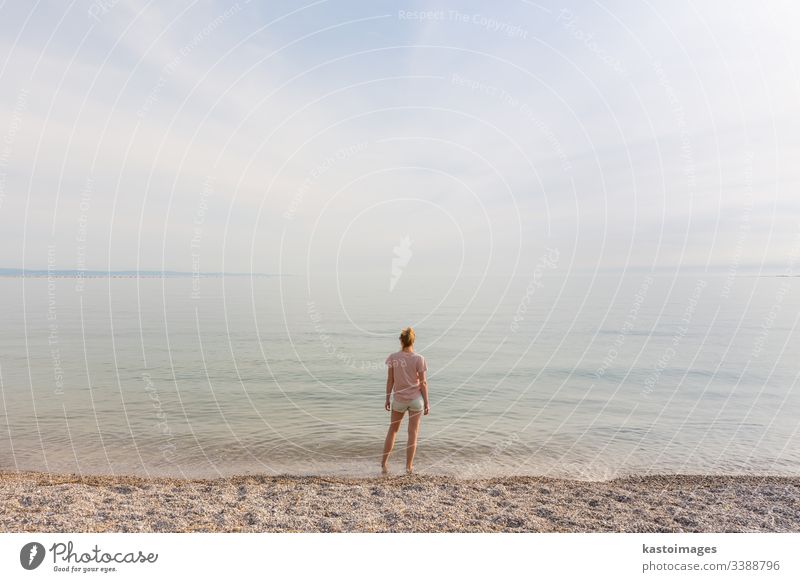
(417, 503)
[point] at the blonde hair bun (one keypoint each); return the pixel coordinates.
(407, 337)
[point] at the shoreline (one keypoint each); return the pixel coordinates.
(43, 502)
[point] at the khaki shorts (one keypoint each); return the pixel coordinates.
(416, 405)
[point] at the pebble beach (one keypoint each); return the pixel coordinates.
(41, 502)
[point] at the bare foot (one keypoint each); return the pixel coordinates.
(409, 470)
(384, 469)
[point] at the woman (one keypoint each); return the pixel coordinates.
(406, 381)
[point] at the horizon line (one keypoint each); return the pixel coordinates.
(96, 273)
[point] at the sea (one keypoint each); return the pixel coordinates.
(587, 375)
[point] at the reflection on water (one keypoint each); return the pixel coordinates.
(586, 378)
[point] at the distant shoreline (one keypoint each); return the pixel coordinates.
(41, 502)
(75, 274)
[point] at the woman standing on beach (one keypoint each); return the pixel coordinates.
(407, 383)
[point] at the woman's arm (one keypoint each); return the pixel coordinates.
(423, 386)
(389, 384)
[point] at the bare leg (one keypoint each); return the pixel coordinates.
(413, 430)
(388, 445)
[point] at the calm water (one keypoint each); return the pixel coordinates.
(586, 377)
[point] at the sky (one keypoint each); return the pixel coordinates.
(340, 136)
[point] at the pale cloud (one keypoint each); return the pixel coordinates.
(620, 135)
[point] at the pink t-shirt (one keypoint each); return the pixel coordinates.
(406, 366)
